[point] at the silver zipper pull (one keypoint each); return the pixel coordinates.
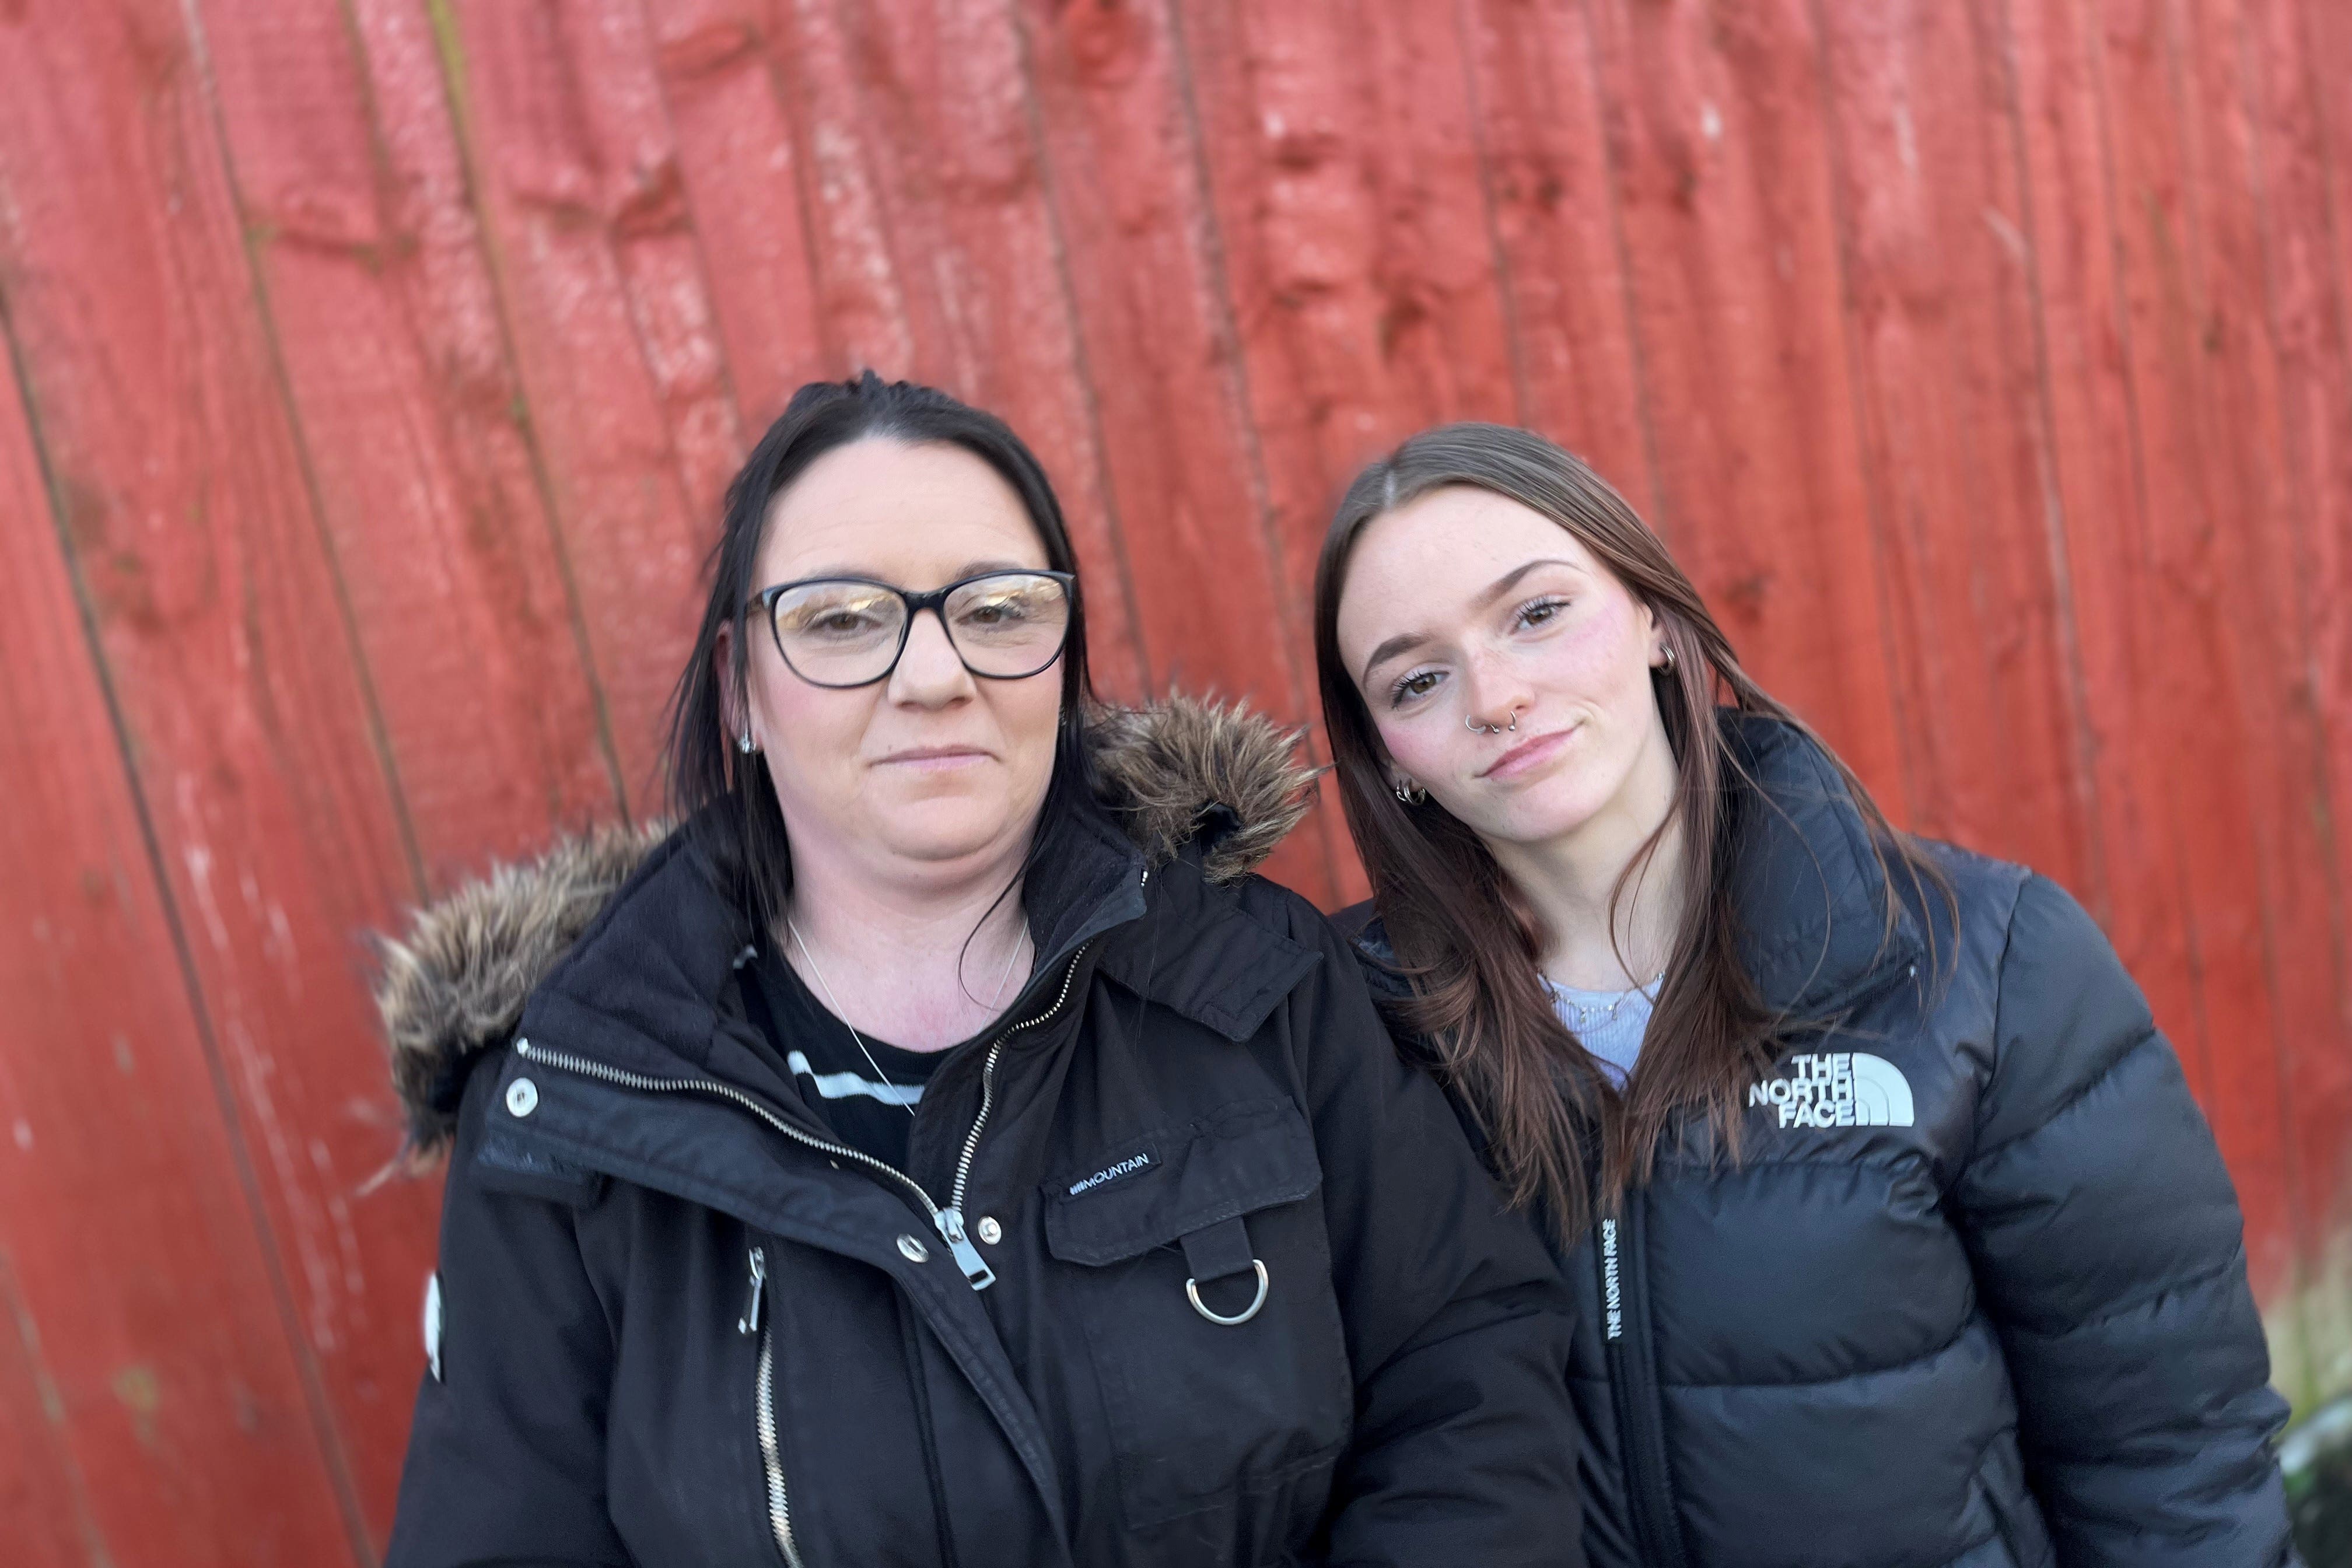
(968, 1258)
(749, 1323)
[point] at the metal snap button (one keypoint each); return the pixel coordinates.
(522, 1097)
(913, 1250)
(990, 1231)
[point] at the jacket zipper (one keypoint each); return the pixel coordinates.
(1633, 1388)
(771, 1453)
(951, 1219)
(947, 1222)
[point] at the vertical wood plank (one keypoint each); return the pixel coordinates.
(44, 1505)
(1940, 310)
(2261, 243)
(1555, 195)
(2205, 405)
(255, 733)
(153, 1411)
(1217, 612)
(744, 176)
(932, 188)
(387, 332)
(1714, 116)
(1350, 205)
(577, 177)
(2307, 51)
(2099, 505)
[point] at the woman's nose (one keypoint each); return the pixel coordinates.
(1492, 697)
(929, 671)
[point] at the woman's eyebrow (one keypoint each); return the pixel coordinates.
(1510, 579)
(1403, 642)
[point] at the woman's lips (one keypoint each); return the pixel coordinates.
(1529, 753)
(929, 758)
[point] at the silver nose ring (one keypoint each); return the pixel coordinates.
(1476, 728)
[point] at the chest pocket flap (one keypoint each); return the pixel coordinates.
(1172, 1182)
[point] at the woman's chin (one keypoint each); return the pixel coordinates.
(944, 831)
(1559, 807)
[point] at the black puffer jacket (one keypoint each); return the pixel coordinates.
(675, 1330)
(1975, 1295)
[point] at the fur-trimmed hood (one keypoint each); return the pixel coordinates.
(455, 983)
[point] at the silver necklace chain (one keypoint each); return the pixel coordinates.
(1589, 1017)
(834, 1002)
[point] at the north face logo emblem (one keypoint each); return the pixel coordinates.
(1843, 1088)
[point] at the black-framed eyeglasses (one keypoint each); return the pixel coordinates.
(850, 631)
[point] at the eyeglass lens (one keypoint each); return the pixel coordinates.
(1006, 625)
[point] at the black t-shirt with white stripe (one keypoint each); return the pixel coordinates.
(871, 1115)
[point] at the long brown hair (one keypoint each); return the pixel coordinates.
(1471, 944)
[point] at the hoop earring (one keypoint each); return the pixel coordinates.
(1670, 656)
(1411, 794)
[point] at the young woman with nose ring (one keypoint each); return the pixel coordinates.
(1898, 1235)
(941, 1148)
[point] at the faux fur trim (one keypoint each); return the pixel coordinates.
(455, 983)
(1162, 768)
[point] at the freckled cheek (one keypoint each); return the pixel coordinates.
(1586, 661)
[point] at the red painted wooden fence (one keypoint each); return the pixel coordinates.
(377, 365)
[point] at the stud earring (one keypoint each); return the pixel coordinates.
(744, 744)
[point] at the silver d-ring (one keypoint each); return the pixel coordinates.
(1193, 1292)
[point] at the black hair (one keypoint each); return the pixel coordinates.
(724, 794)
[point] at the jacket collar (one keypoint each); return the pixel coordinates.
(1812, 899)
(621, 936)
(1811, 896)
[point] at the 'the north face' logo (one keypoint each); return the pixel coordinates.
(1843, 1088)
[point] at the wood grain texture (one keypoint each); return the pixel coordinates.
(746, 175)
(2193, 315)
(151, 1408)
(386, 331)
(255, 733)
(1359, 257)
(1217, 609)
(379, 366)
(929, 103)
(574, 170)
(2303, 50)
(1565, 266)
(1715, 115)
(2097, 500)
(1939, 318)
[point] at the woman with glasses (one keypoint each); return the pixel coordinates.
(1898, 1236)
(941, 1149)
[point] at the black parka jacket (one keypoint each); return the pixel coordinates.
(675, 1328)
(1974, 1294)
